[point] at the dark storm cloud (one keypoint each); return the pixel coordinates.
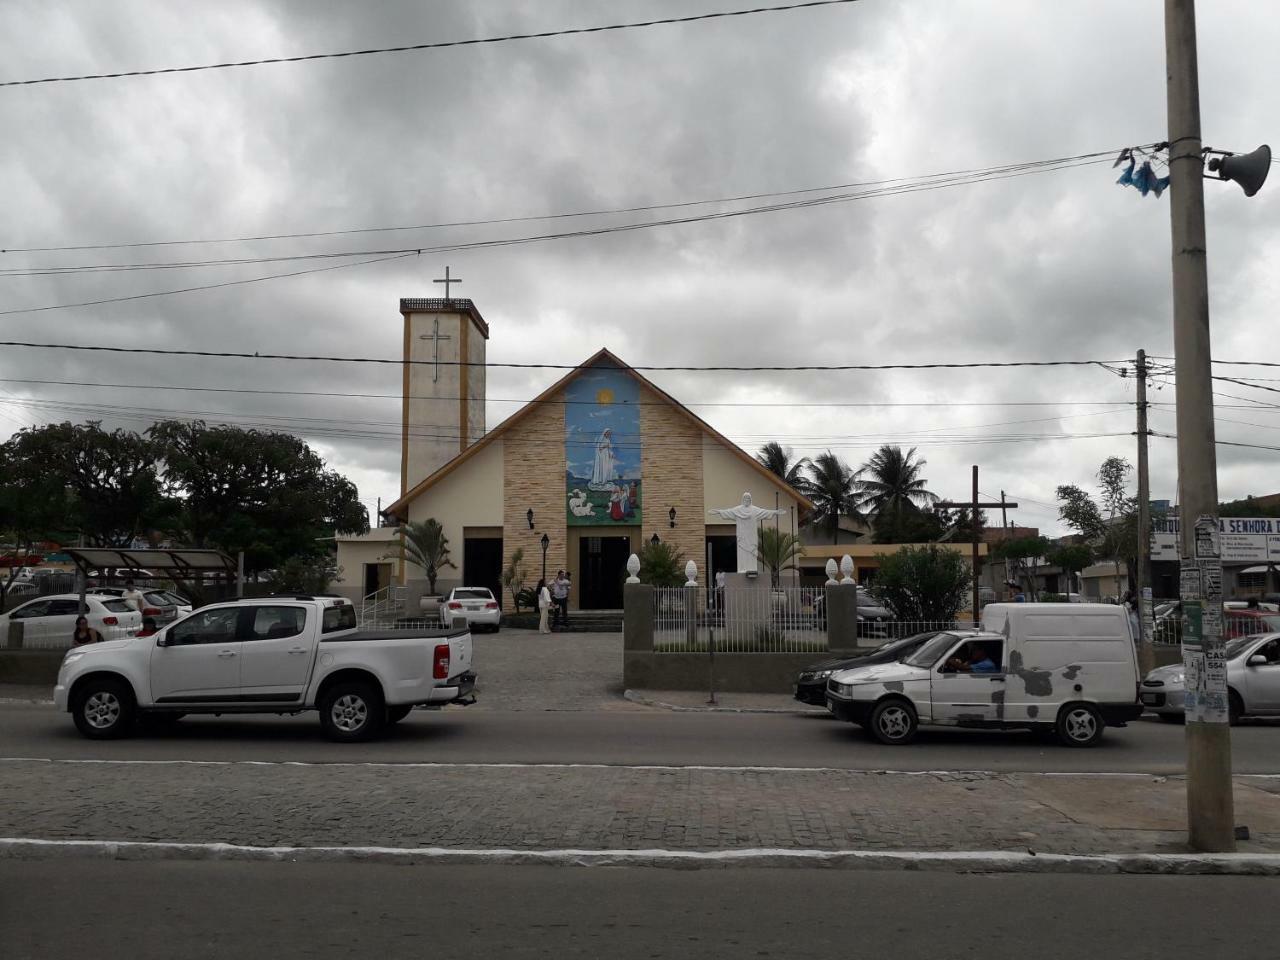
(1060, 265)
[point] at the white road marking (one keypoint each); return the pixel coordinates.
(967, 861)
(425, 765)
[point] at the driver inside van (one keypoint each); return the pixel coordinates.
(978, 662)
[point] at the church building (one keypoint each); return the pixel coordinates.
(579, 478)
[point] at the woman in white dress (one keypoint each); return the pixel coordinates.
(544, 606)
(605, 468)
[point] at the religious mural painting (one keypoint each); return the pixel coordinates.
(602, 448)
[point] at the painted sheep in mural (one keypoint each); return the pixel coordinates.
(579, 505)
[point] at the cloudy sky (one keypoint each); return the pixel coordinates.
(1064, 265)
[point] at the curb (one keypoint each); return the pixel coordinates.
(978, 861)
(636, 697)
(42, 701)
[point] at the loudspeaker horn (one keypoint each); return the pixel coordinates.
(1247, 169)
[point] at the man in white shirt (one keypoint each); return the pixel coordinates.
(133, 596)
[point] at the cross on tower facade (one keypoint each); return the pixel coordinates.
(436, 336)
(447, 280)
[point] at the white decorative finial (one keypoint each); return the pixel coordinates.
(846, 568)
(832, 570)
(691, 574)
(633, 568)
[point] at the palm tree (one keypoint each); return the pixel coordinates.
(777, 459)
(426, 545)
(833, 488)
(779, 551)
(892, 486)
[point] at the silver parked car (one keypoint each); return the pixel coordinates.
(1253, 679)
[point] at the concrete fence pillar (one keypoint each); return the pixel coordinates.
(842, 617)
(637, 617)
(690, 616)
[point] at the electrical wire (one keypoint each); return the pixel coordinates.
(438, 45)
(974, 365)
(566, 402)
(917, 180)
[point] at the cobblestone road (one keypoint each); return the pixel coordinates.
(604, 807)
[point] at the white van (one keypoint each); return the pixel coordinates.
(1070, 668)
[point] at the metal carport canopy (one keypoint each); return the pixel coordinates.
(169, 561)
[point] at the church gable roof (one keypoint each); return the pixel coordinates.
(602, 357)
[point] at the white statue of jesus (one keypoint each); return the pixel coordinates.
(747, 519)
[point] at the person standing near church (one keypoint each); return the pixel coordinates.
(560, 597)
(544, 606)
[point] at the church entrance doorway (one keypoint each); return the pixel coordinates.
(482, 564)
(603, 565)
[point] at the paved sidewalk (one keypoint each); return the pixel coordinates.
(611, 808)
(26, 692)
(696, 701)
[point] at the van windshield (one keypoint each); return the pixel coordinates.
(930, 653)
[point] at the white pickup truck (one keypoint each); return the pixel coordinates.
(267, 655)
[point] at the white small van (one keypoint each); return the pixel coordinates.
(1069, 668)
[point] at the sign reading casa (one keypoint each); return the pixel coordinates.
(1244, 540)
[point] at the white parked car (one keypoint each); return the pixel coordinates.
(267, 655)
(1070, 668)
(476, 605)
(50, 621)
(1253, 681)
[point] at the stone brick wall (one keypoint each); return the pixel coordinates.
(534, 477)
(671, 468)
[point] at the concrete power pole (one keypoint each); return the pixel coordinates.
(1210, 813)
(1146, 654)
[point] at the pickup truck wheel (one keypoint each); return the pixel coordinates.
(352, 711)
(103, 709)
(398, 713)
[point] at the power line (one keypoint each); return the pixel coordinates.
(918, 179)
(1221, 443)
(565, 402)
(206, 286)
(438, 45)
(501, 242)
(983, 364)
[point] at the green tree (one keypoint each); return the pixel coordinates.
(927, 584)
(267, 494)
(892, 487)
(1072, 558)
(513, 577)
(426, 546)
(1024, 552)
(833, 489)
(780, 461)
(661, 565)
(112, 494)
(779, 551)
(35, 507)
(1109, 526)
(305, 574)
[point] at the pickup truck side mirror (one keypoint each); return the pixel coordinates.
(1258, 660)
(162, 639)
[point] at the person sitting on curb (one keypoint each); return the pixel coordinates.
(84, 633)
(149, 628)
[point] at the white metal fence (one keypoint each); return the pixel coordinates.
(782, 620)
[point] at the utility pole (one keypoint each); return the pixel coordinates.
(1142, 589)
(1004, 522)
(1210, 812)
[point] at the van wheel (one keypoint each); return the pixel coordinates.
(398, 713)
(893, 722)
(350, 712)
(103, 709)
(1080, 725)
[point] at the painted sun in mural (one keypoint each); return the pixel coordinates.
(604, 395)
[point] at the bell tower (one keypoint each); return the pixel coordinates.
(444, 382)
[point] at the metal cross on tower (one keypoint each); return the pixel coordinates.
(436, 336)
(447, 281)
(975, 505)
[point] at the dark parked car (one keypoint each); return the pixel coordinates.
(811, 685)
